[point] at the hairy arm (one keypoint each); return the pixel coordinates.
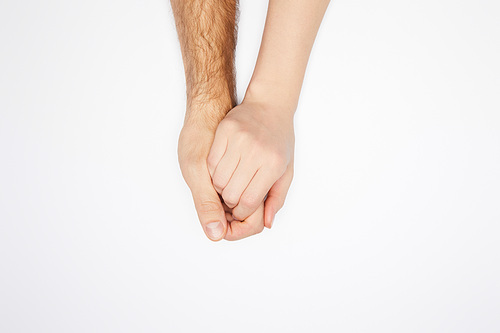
(207, 35)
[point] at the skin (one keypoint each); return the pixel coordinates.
(238, 160)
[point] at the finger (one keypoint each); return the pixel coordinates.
(225, 169)
(217, 151)
(226, 208)
(255, 192)
(276, 196)
(253, 225)
(229, 217)
(208, 206)
(239, 181)
(228, 211)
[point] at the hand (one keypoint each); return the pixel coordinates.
(194, 144)
(251, 157)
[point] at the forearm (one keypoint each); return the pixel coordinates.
(207, 35)
(289, 33)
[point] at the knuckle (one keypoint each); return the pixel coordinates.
(239, 214)
(209, 207)
(219, 181)
(250, 200)
(211, 162)
(277, 201)
(231, 199)
(277, 159)
(247, 134)
(229, 124)
(242, 137)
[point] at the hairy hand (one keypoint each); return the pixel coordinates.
(194, 144)
(251, 157)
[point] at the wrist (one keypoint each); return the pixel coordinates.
(210, 101)
(206, 113)
(273, 95)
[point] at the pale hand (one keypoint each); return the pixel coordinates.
(252, 157)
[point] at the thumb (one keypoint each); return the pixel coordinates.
(209, 207)
(276, 196)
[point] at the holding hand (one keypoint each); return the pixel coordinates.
(239, 166)
(251, 157)
(194, 144)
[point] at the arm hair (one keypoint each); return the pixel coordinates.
(207, 36)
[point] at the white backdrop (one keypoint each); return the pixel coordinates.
(391, 224)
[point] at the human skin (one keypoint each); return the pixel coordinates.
(253, 150)
(260, 129)
(207, 36)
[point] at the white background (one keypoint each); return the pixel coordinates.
(391, 224)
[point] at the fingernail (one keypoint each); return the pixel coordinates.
(272, 221)
(214, 230)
